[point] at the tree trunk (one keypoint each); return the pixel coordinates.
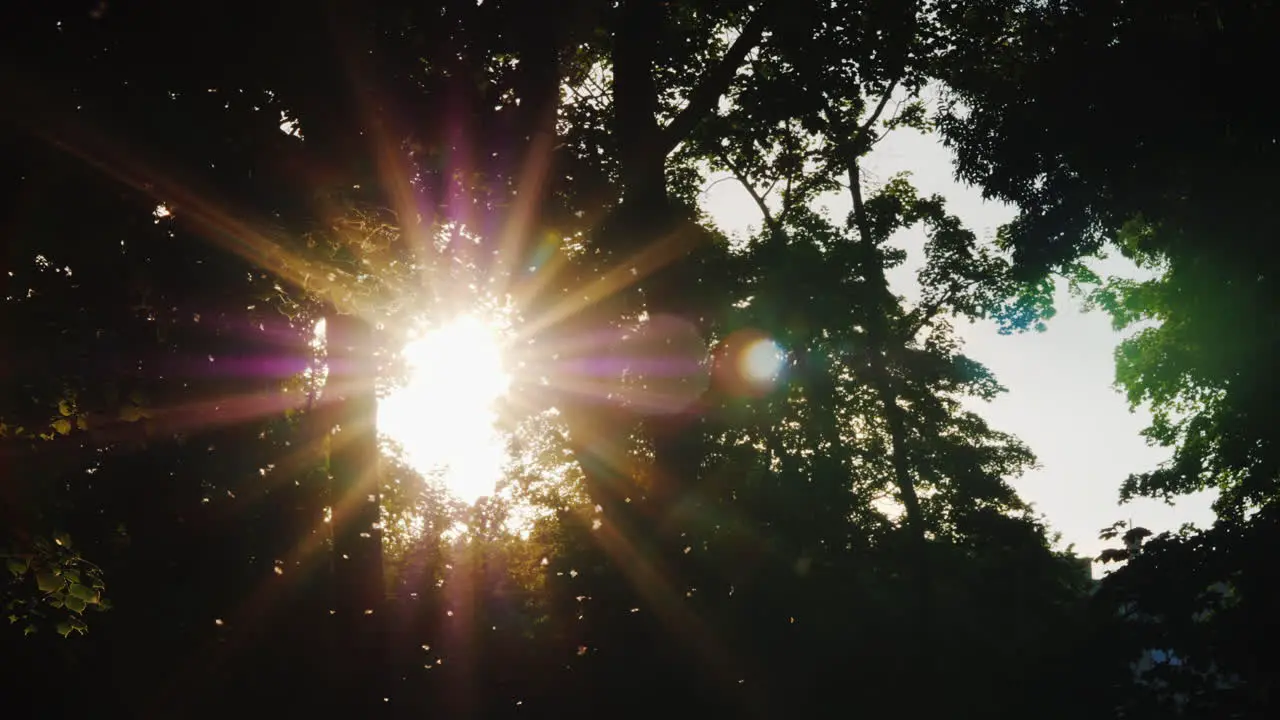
(923, 656)
(646, 218)
(350, 399)
(600, 430)
(877, 368)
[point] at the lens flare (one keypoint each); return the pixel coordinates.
(761, 362)
(749, 363)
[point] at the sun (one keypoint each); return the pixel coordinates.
(444, 415)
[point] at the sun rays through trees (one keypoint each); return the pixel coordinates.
(381, 359)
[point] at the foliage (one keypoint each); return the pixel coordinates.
(844, 532)
(1131, 127)
(66, 586)
(1109, 162)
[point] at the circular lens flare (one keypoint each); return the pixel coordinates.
(666, 363)
(748, 363)
(762, 361)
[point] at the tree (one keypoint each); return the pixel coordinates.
(1098, 124)
(145, 400)
(748, 553)
(1181, 192)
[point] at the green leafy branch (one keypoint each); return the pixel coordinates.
(52, 585)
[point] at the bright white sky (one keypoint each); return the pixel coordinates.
(1061, 399)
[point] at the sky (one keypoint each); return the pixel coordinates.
(1062, 400)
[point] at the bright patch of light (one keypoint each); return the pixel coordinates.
(444, 417)
(762, 361)
(290, 126)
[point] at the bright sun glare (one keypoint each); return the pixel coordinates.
(444, 416)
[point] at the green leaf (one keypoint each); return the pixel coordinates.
(83, 592)
(62, 427)
(63, 628)
(48, 581)
(74, 604)
(18, 566)
(64, 408)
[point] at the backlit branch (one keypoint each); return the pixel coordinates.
(755, 195)
(704, 97)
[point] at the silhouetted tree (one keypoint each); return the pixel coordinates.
(180, 218)
(1132, 127)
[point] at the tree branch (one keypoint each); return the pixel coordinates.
(746, 183)
(703, 99)
(786, 197)
(854, 146)
(864, 131)
(790, 169)
(926, 313)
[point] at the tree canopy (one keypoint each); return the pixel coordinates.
(223, 223)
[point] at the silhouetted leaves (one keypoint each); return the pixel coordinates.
(187, 196)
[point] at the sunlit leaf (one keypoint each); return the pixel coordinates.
(83, 592)
(48, 582)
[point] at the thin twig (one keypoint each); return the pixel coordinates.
(757, 197)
